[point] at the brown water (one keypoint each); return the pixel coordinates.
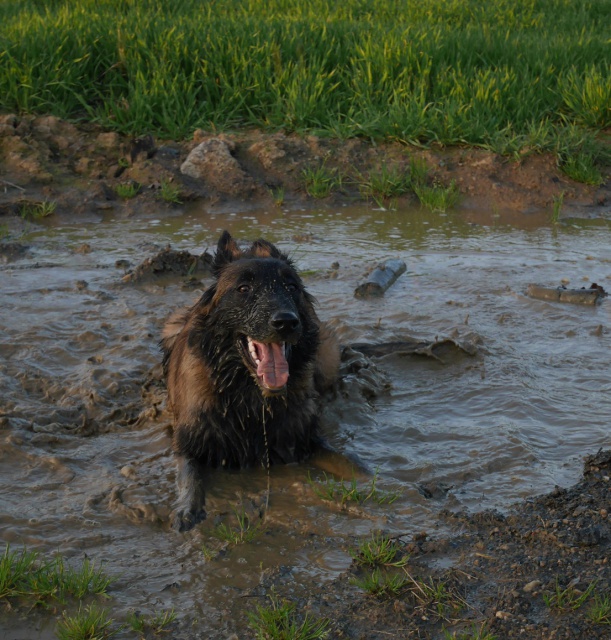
(85, 463)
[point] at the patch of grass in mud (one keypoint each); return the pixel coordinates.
(379, 550)
(344, 492)
(438, 197)
(89, 623)
(567, 598)
(243, 531)
(169, 192)
(473, 634)
(442, 71)
(37, 210)
(156, 624)
(279, 621)
(600, 610)
(319, 181)
(381, 584)
(127, 190)
(27, 574)
(582, 168)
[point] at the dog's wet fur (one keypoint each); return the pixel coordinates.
(245, 367)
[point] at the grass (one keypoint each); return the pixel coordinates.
(37, 210)
(278, 194)
(473, 634)
(387, 182)
(338, 490)
(557, 207)
(244, 531)
(319, 181)
(600, 610)
(382, 584)
(156, 624)
(279, 622)
(582, 167)
(127, 190)
(26, 574)
(169, 192)
(567, 598)
(444, 71)
(379, 550)
(437, 197)
(89, 623)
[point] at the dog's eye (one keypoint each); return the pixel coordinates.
(244, 288)
(290, 286)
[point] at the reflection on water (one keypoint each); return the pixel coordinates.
(85, 468)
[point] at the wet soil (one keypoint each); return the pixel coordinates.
(81, 167)
(102, 421)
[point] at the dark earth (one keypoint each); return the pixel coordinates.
(536, 571)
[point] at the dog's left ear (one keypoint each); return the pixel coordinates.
(227, 251)
(264, 249)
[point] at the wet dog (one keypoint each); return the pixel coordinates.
(245, 367)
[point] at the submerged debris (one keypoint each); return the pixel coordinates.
(380, 279)
(594, 294)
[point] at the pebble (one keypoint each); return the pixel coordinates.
(503, 615)
(531, 586)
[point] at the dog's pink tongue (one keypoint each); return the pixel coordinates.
(273, 367)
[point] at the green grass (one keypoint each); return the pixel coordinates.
(319, 181)
(279, 622)
(567, 598)
(473, 634)
(37, 210)
(581, 167)
(446, 71)
(27, 574)
(381, 584)
(89, 623)
(379, 550)
(244, 531)
(557, 207)
(344, 492)
(169, 193)
(127, 190)
(156, 624)
(600, 610)
(437, 197)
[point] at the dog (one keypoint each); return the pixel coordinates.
(245, 368)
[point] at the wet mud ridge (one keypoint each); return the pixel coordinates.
(83, 168)
(539, 571)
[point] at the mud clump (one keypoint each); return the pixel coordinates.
(170, 262)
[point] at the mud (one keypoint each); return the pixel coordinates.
(81, 167)
(85, 462)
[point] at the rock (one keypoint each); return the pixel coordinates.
(109, 140)
(531, 586)
(211, 162)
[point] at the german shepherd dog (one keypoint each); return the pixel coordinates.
(245, 367)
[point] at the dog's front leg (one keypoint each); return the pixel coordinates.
(190, 506)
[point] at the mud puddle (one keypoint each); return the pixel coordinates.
(86, 468)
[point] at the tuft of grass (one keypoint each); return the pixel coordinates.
(245, 531)
(435, 596)
(557, 207)
(338, 490)
(279, 622)
(89, 623)
(154, 624)
(418, 172)
(581, 167)
(169, 192)
(25, 573)
(387, 182)
(278, 195)
(438, 197)
(379, 550)
(473, 634)
(319, 181)
(37, 210)
(381, 584)
(567, 598)
(127, 190)
(600, 610)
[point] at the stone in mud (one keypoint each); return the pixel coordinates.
(212, 163)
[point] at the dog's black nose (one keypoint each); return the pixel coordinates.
(285, 321)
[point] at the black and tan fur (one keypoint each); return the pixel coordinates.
(227, 413)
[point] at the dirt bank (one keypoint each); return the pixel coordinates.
(84, 169)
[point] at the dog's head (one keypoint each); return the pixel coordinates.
(259, 303)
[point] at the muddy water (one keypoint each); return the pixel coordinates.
(85, 465)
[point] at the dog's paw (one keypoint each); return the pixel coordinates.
(186, 519)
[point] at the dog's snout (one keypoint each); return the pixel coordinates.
(285, 322)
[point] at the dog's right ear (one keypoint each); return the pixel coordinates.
(227, 251)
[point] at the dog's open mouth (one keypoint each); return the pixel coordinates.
(269, 363)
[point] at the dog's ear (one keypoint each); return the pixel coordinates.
(227, 251)
(264, 249)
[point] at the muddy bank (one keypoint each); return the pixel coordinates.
(84, 169)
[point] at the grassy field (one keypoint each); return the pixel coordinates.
(502, 74)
